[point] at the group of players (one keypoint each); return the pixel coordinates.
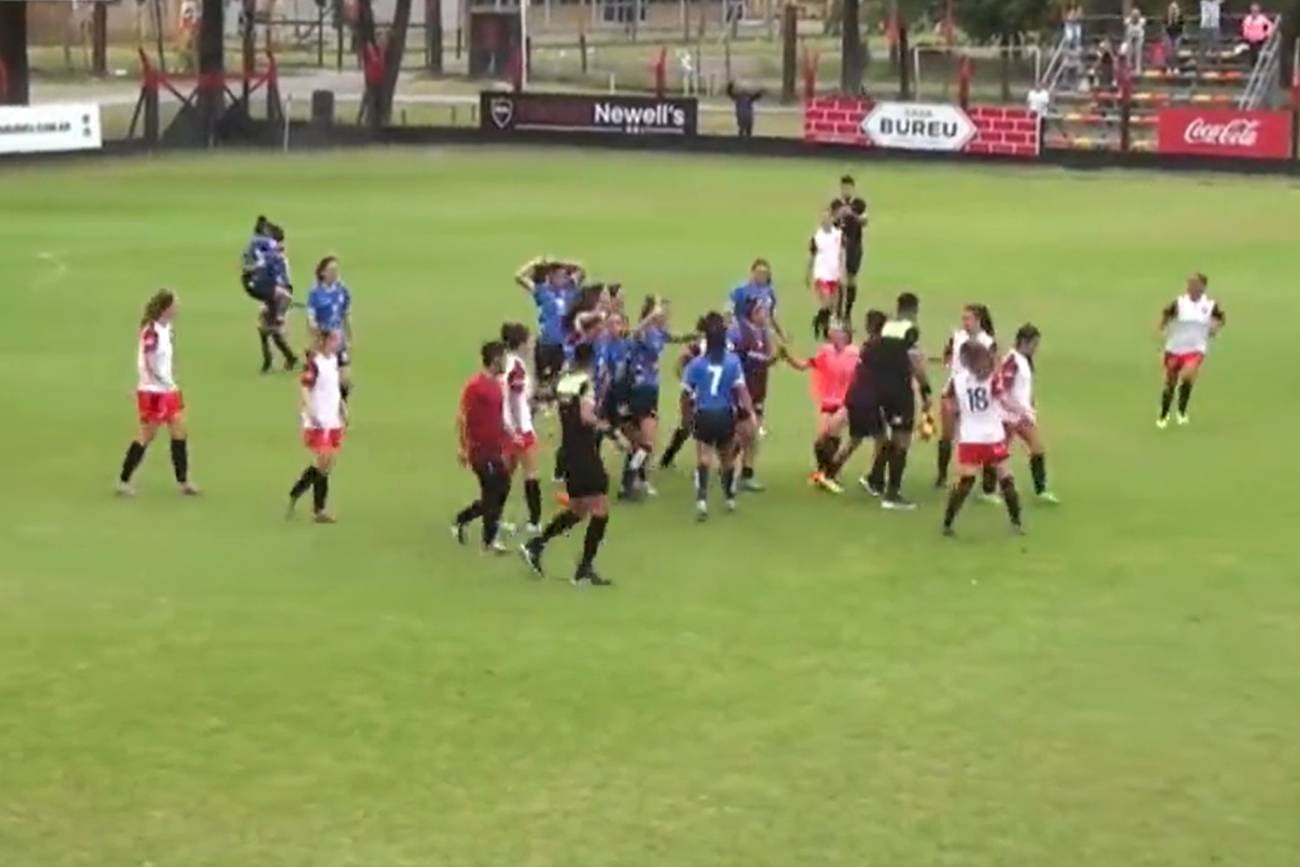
(601, 368)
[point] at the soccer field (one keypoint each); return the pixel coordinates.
(811, 681)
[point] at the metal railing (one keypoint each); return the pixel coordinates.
(1263, 75)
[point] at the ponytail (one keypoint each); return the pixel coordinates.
(157, 305)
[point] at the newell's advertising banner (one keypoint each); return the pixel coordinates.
(1215, 132)
(34, 129)
(918, 126)
(577, 112)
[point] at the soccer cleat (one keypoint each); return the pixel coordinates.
(589, 578)
(324, 518)
(458, 533)
(989, 499)
(1183, 419)
(874, 490)
(1017, 529)
(731, 504)
(762, 432)
(752, 485)
(1049, 498)
(827, 484)
(897, 503)
(124, 489)
(266, 366)
(495, 547)
(1162, 422)
(649, 490)
(533, 529)
(507, 528)
(189, 489)
(533, 557)
(701, 510)
(949, 532)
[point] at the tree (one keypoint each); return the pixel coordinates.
(13, 53)
(378, 104)
(1002, 20)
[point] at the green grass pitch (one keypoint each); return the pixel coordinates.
(809, 682)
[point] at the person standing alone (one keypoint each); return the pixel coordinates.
(850, 214)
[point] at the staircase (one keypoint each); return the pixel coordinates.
(1086, 111)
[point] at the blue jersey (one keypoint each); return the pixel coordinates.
(612, 355)
(329, 306)
(746, 292)
(647, 347)
(714, 385)
(552, 303)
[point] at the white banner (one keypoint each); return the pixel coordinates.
(918, 126)
(63, 126)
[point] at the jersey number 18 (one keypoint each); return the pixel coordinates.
(977, 399)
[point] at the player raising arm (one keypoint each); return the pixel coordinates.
(716, 383)
(1188, 325)
(553, 286)
(981, 433)
(584, 473)
(324, 419)
(158, 399)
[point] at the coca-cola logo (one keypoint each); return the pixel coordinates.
(1240, 132)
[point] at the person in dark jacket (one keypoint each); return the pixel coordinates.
(744, 100)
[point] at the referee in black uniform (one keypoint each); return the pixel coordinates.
(850, 213)
(897, 361)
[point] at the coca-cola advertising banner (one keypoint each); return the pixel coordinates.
(580, 112)
(1215, 132)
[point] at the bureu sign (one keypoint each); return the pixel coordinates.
(918, 126)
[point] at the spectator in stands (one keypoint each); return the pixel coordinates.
(1074, 26)
(1256, 28)
(1135, 36)
(1104, 74)
(1039, 101)
(1208, 38)
(744, 99)
(1173, 35)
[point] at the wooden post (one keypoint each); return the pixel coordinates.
(904, 68)
(433, 34)
(13, 54)
(212, 67)
(789, 49)
(851, 49)
(99, 39)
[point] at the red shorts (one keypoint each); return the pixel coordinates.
(829, 408)
(522, 443)
(159, 407)
(1176, 361)
(981, 454)
(320, 439)
(826, 288)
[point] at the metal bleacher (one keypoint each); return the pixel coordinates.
(1087, 97)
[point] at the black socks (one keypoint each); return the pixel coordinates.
(560, 524)
(988, 480)
(701, 483)
(679, 438)
(305, 481)
(822, 324)
(533, 494)
(591, 543)
(896, 463)
(824, 450)
(1038, 469)
(181, 460)
(134, 454)
(1184, 396)
(1166, 399)
(876, 478)
(956, 498)
(945, 458)
(1012, 498)
(728, 476)
(320, 491)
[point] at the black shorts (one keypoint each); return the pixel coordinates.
(548, 361)
(584, 476)
(614, 408)
(260, 286)
(643, 402)
(898, 410)
(715, 427)
(865, 420)
(852, 258)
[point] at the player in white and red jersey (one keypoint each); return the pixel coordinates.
(976, 325)
(825, 273)
(976, 390)
(158, 398)
(517, 393)
(1017, 375)
(324, 421)
(1188, 324)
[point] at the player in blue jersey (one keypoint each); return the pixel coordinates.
(758, 289)
(647, 346)
(329, 308)
(716, 382)
(553, 286)
(265, 277)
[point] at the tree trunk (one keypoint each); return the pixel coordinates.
(13, 53)
(1004, 68)
(850, 49)
(433, 34)
(212, 66)
(393, 51)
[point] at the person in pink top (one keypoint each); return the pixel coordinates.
(1256, 28)
(832, 369)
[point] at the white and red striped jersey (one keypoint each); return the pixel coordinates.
(517, 388)
(827, 249)
(959, 338)
(154, 356)
(1017, 375)
(324, 404)
(1189, 323)
(980, 407)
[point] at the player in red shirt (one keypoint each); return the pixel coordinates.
(832, 370)
(324, 420)
(158, 398)
(483, 442)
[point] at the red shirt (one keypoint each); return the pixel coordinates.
(485, 430)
